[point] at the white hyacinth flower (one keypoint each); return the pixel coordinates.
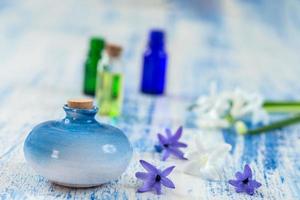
(207, 160)
(218, 111)
(212, 120)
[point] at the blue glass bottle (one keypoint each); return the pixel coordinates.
(78, 151)
(154, 65)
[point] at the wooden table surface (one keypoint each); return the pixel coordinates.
(253, 45)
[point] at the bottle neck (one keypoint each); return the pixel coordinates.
(112, 63)
(156, 46)
(74, 115)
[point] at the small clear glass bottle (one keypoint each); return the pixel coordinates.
(109, 90)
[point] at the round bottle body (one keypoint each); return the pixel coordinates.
(77, 151)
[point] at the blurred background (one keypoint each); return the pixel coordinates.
(250, 43)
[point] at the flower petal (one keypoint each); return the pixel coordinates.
(235, 183)
(239, 189)
(157, 187)
(169, 133)
(249, 190)
(247, 172)
(193, 155)
(219, 154)
(148, 185)
(192, 168)
(142, 175)
(167, 171)
(162, 139)
(149, 167)
(167, 182)
(144, 189)
(178, 134)
(200, 145)
(165, 154)
(177, 153)
(239, 176)
(254, 184)
(210, 172)
(179, 144)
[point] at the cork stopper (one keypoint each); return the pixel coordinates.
(113, 50)
(80, 103)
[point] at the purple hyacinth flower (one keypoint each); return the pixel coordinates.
(169, 144)
(154, 178)
(244, 181)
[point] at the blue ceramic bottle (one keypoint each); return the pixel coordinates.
(154, 65)
(78, 151)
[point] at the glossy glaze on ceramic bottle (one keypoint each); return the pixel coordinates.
(78, 151)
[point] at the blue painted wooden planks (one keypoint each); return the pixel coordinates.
(250, 44)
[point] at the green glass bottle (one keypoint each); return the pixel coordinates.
(90, 69)
(109, 89)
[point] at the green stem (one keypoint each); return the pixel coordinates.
(282, 106)
(279, 124)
